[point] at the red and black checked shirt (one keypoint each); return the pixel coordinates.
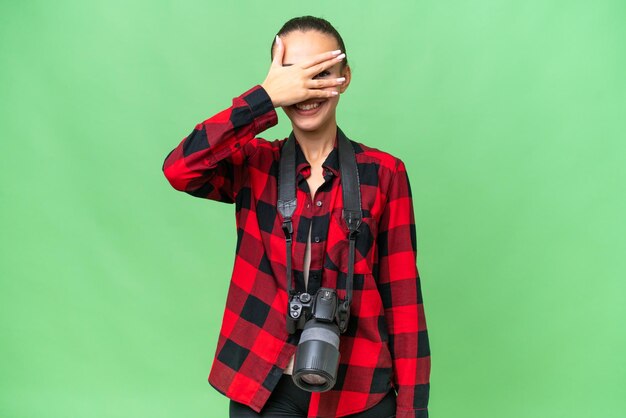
(386, 343)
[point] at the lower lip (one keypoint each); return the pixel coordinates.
(309, 112)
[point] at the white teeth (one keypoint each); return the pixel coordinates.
(308, 107)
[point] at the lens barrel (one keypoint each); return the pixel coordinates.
(317, 357)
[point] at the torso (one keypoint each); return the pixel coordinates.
(316, 179)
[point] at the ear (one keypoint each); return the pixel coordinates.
(347, 73)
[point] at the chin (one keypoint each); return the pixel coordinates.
(307, 126)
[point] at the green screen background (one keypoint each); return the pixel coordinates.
(509, 116)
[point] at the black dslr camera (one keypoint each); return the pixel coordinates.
(322, 319)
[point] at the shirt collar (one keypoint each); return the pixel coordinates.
(331, 162)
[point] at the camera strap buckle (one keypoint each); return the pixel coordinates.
(288, 228)
(343, 315)
(353, 221)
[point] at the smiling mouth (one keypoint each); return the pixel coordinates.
(310, 106)
(308, 109)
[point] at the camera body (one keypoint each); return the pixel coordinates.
(322, 318)
(324, 307)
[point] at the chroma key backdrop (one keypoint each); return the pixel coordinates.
(510, 119)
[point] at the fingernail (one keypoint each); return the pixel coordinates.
(341, 79)
(334, 93)
(277, 39)
(337, 52)
(342, 56)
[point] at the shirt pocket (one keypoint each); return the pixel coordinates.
(338, 246)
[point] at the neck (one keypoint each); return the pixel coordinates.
(316, 145)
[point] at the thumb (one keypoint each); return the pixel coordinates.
(278, 52)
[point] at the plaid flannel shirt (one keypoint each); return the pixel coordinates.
(386, 343)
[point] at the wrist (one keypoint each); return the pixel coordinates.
(270, 93)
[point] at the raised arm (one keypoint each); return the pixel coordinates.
(211, 161)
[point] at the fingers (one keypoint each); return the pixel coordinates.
(324, 65)
(322, 94)
(324, 83)
(279, 51)
(334, 56)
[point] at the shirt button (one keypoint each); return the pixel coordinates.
(317, 239)
(308, 205)
(318, 203)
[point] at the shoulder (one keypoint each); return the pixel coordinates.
(379, 169)
(368, 154)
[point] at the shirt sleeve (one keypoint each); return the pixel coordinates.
(399, 285)
(211, 161)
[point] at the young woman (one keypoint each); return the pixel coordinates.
(384, 364)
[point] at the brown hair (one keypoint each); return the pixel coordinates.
(306, 23)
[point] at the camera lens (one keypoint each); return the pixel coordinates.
(314, 379)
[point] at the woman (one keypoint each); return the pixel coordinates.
(384, 361)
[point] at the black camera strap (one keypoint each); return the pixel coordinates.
(351, 208)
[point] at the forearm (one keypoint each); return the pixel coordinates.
(408, 343)
(224, 138)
